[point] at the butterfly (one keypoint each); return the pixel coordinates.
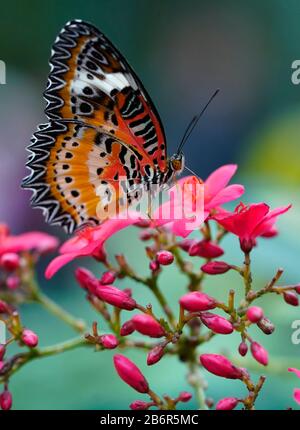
(102, 126)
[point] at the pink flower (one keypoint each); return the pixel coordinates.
(259, 353)
(115, 297)
(88, 242)
(227, 404)
(249, 222)
(254, 314)
(296, 390)
(197, 301)
(130, 373)
(216, 323)
(31, 241)
(147, 325)
(198, 199)
(220, 366)
(29, 338)
(215, 267)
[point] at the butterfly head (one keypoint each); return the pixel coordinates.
(177, 162)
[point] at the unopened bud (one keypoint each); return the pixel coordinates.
(109, 341)
(291, 298)
(155, 355)
(139, 405)
(29, 338)
(259, 353)
(108, 277)
(243, 349)
(147, 325)
(206, 249)
(130, 373)
(165, 258)
(13, 282)
(5, 400)
(184, 397)
(227, 404)
(266, 326)
(220, 366)
(215, 267)
(2, 351)
(254, 314)
(10, 261)
(127, 328)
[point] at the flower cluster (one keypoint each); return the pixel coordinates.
(182, 331)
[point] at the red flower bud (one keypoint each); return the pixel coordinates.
(143, 223)
(216, 323)
(2, 351)
(29, 338)
(2, 363)
(266, 325)
(85, 278)
(109, 341)
(5, 400)
(186, 244)
(215, 267)
(107, 278)
(206, 249)
(259, 353)
(139, 405)
(155, 355)
(243, 349)
(127, 328)
(184, 397)
(220, 366)
(147, 325)
(4, 307)
(10, 261)
(227, 404)
(115, 297)
(154, 266)
(197, 301)
(130, 373)
(165, 258)
(291, 298)
(254, 314)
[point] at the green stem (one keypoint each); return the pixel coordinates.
(196, 382)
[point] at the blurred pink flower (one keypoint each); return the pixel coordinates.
(249, 222)
(296, 390)
(34, 240)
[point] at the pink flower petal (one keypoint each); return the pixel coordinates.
(269, 220)
(232, 192)
(33, 240)
(218, 180)
(89, 240)
(296, 371)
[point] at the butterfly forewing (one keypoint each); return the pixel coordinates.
(102, 127)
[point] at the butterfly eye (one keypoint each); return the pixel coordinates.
(176, 164)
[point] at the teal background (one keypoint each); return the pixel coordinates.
(182, 52)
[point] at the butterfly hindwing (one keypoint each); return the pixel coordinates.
(90, 81)
(80, 175)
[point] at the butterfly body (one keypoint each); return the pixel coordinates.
(104, 143)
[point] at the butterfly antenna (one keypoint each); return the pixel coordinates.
(192, 172)
(193, 123)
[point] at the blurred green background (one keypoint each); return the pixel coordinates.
(182, 52)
